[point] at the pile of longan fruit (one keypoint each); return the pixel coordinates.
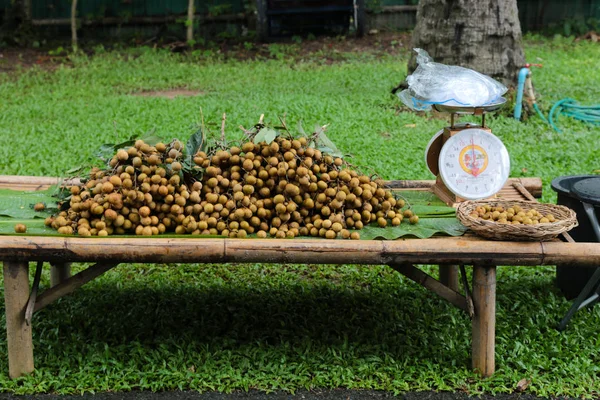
(282, 189)
(515, 215)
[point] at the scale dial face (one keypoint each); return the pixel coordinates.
(474, 164)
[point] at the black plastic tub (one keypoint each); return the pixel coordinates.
(571, 278)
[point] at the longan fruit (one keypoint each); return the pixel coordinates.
(176, 166)
(330, 234)
(248, 165)
(107, 187)
(336, 227)
(144, 211)
(20, 228)
(292, 190)
(122, 155)
(111, 215)
(65, 230)
(355, 236)
(414, 219)
(39, 207)
(247, 147)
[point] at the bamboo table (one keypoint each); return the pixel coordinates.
(453, 253)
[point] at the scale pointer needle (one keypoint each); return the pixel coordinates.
(474, 169)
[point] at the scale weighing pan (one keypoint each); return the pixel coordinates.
(495, 106)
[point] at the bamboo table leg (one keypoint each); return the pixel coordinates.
(449, 276)
(18, 333)
(484, 320)
(59, 272)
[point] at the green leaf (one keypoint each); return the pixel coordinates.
(194, 143)
(266, 135)
(106, 151)
(34, 226)
(425, 228)
(209, 145)
(270, 136)
(300, 128)
(425, 204)
(424, 211)
(150, 138)
(325, 145)
(19, 205)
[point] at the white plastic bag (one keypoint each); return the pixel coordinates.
(435, 83)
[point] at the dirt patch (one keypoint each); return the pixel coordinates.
(169, 93)
(328, 50)
(13, 59)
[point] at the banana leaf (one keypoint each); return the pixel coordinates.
(19, 205)
(35, 226)
(426, 228)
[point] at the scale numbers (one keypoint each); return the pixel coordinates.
(474, 164)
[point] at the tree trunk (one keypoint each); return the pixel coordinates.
(190, 22)
(482, 35)
(74, 24)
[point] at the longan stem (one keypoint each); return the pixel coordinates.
(223, 128)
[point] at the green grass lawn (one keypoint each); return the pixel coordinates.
(272, 327)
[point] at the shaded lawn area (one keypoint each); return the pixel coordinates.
(291, 327)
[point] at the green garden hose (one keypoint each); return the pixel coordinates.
(570, 108)
(539, 112)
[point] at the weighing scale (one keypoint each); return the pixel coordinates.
(468, 160)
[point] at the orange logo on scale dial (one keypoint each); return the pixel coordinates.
(473, 159)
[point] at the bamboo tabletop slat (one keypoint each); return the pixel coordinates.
(446, 250)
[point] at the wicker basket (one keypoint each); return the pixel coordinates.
(566, 219)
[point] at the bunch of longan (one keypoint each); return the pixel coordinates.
(287, 189)
(515, 215)
(282, 189)
(141, 192)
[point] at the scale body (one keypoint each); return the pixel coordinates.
(470, 163)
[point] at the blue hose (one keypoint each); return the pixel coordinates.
(570, 108)
(523, 72)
